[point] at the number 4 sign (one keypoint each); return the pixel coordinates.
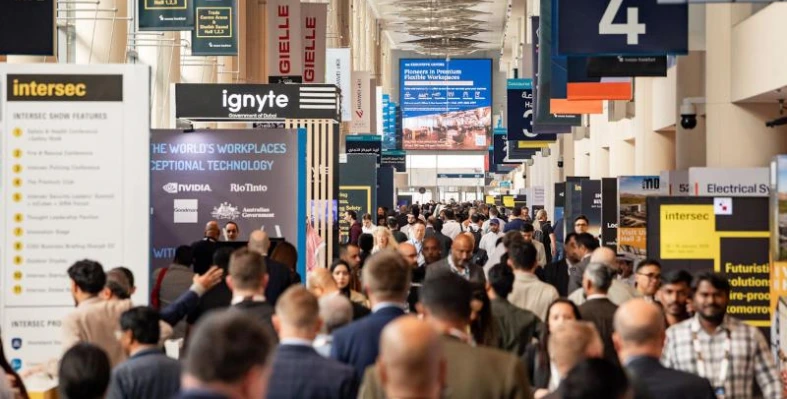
(621, 27)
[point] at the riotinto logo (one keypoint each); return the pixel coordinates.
(236, 102)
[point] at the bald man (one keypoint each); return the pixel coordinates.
(571, 343)
(619, 292)
(203, 249)
(411, 362)
(322, 285)
(459, 261)
(279, 276)
(639, 339)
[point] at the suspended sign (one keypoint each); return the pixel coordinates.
(215, 31)
(621, 27)
(314, 20)
(583, 87)
(337, 72)
(620, 66)
(161, 15)
(520, 112)
(27, 27)
(538, 127)
(361, 102)
(285, 54)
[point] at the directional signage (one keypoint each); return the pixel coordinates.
(520, 112)
(621, 27)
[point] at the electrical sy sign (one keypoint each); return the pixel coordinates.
(621, 27)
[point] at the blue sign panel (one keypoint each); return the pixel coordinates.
(621, 27)
(446, 105)
(507, 153)
(520, 112)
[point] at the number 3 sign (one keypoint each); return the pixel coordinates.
(621, 27)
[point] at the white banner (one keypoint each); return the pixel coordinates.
(285, 47)
(337, 72)
(75, 167)
(314, 28)
(718, 182)
(361, 104)
(675, 183)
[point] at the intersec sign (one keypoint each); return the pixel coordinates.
(222, 102)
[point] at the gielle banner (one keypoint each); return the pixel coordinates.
(253, 178)
(158, 15)
(285, 39)
(314, 25)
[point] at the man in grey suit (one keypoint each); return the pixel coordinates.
(585, 245)
(148, 372)
(458, 262)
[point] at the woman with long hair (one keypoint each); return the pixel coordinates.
(536, 356)
(383, 239)
(343, 276)
(483, 326)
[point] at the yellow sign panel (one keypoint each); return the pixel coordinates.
(489, 199)
(533, 144)
(508, 201)
(685, 230)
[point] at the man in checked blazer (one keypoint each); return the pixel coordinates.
(298, 370)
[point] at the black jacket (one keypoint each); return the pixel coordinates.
(601, 312)
(556, 274)
(662, 382)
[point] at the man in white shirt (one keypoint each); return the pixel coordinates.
(529, 292)
(451, 227)
(489, 240)
(527, 233)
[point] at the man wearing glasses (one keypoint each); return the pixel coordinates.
(648, 279)
(581, 224)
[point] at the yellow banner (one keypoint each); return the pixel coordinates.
(533, 144)
(489, 199)
(508, 201)
(685, 232)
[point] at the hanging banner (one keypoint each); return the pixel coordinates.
(623, 27)
(166, 15)
(514, 152)
(28, 28)
(389, 124)
(626, 66)
(361, 103)
(591, 205)
(583, 87)
(573, 201)
(536, 126)
(285, 39)
(560, 103)
(215, 31)
(632, 222)
(609, 213)
(558, 219)
(394, 158)
(494, 168)
(357, 190)
(369, 144)
(255, 102)
(737, 182)
(544, 113)
(520, 112)
(692, 234)
(337, 72)
(75, 185)
(314, 25)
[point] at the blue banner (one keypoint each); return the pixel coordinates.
(446, 104)
(508, 152)
(621, 27)
(520, 112)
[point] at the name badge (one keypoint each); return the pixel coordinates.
(720, 393)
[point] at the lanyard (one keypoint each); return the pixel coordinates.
(724, 370)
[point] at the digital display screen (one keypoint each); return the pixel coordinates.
(446, 104)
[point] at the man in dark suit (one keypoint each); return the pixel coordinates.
(557, 273)
(445, 241)
(585, 245)
(227, 358)
(203, 249)
(458, 262)
(298, 370)
(386, 277)
(279, 279)
(148, 372)
(599, 309)
(247, 280)
(639, 338)
(518, 326)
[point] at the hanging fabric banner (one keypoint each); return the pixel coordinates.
(216, 30)
(314, 21)
(285, 45)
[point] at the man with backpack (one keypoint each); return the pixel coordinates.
(545, 234)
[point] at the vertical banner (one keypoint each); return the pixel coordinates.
(558, 218)
(216, 28)
(591, 205)
(161, 15)
(357, 189)
(385, 189)
(75, 185)
(520, 112)
(632, 222)
(535, 29)
(285, 44)
(573, 204)
(778, 230)
(609, 213)
(337, 72)
(314, 25)
(361, 102)
(28, 28)
(396, 159)
(369, 144)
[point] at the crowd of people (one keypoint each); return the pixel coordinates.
(440, 300)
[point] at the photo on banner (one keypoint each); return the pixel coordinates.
(632, 207)
(624, 27)
(165, 15)
(216, 28)
(778, 277)
(446, 104)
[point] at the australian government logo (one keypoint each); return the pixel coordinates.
(225, 211)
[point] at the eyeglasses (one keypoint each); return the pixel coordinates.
(580, 224)
(651, 276)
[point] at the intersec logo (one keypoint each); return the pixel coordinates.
(174, 188)
(186, 211)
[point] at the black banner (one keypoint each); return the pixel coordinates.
(591, 205)
(385, 189)
(357, 189)
(364, 144)
(161, 15)
(394, 158)
(216, 28)
(560, 207)
(64, 88)
(573, 206)
(626, 66)
(609, 213)
(27, 27)
(255, 102)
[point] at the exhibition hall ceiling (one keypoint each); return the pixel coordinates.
(444, 27)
